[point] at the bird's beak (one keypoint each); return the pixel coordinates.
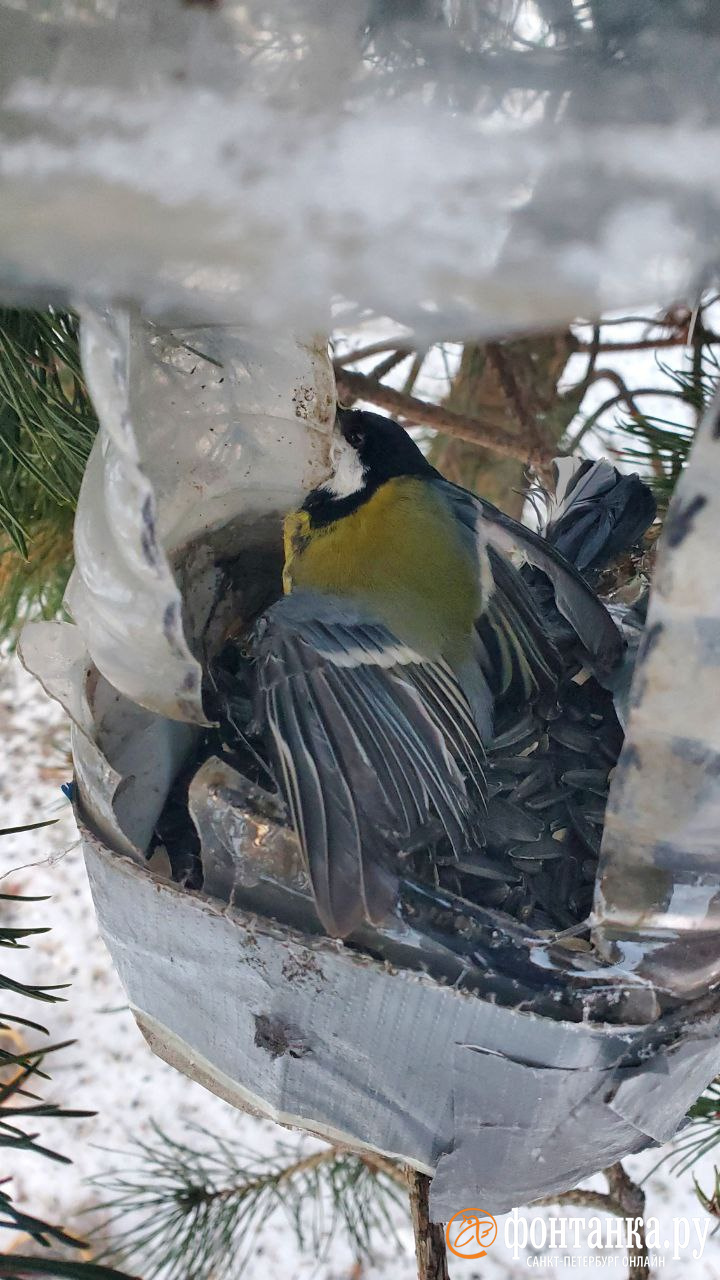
(341, 421)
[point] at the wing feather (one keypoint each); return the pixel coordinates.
(451, 714)
(391, 766)
(574, 599)
(369, 743)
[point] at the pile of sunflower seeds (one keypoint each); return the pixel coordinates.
(548, 783)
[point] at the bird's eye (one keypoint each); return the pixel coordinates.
(355, 438)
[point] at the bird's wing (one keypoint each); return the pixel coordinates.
(516, 652)
(369, 742)
(598, 513)
(574, 599)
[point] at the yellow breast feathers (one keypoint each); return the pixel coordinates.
(400, 553)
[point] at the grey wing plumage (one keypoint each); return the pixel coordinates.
(597, 514)
(369, 741)
(574, 599)
(513, 646)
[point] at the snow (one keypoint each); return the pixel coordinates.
(111, 1069)
(267, 153)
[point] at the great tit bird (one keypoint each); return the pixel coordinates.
(409, 634)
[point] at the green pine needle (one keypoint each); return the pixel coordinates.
(18, 1107)
(660, 447)
(15, 1265)
(47, 426)
(197, 1210)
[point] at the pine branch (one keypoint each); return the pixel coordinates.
(16, 1265)
(18, 1104)
(661, 446)
(430, 1251)
(47, 426)
(710, 1203)
(624, 1198)
(536, 442)
(197, 1211)
(357, 386)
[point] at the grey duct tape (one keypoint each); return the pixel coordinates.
(504, 1106)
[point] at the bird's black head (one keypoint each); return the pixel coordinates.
(367, 450)
(384, 447)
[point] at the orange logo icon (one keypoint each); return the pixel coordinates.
(470, 1233)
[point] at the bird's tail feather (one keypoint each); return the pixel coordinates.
(597, 513)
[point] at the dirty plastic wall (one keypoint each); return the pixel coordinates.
(657, 905)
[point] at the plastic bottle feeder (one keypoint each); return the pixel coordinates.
(506, 1080)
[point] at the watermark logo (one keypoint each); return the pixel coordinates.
(470, 1232)
(543, 1242)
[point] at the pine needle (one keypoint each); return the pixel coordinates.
(659, 447)
(20, 1073)
(47, 427)
(196, 1211)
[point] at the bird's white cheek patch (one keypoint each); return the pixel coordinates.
(348, 475)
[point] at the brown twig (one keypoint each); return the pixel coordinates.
(623, 395)
(627, 1193)
(371, 1159)
(611, 375)
(677, 339)
(414, 372)
(624, 1198)
(358, 386)
(643, 344)
(513, 391)
(383, 1164)
(517, 397)
(379, 371)
(577, 392)
(584, 1199)
(589, 423)
(384, 367)
(373, 349)
(650, 322)
(631, 1199)
(430, 1250)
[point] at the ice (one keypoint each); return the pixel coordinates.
(462, 169)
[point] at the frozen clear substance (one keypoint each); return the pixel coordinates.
(461, 168)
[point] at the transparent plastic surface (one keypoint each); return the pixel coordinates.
(461, 167)
(124, 757)
(657, 904)
(208, 436)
